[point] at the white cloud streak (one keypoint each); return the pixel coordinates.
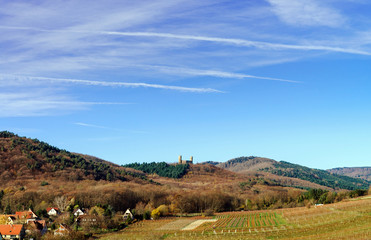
(31, 79)
(39, 103)
(108, 128)
(239, 42)
(90, 125)
(214, 73)
(230, 41)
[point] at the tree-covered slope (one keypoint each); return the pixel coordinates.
(318, 176)
(286, 169)
(24, 158)
(161, 168)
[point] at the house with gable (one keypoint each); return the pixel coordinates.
(52, 211)
(12, 219)
(25, 216)
(15, 231)
(78, 212)
(62, 230)
(128, 214)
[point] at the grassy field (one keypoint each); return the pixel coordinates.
(344, 220)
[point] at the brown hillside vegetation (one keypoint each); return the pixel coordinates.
(289, 174)
(23, 158)
(252, 164)
(356, 172)
(35, 174)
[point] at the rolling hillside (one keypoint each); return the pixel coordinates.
(286, 169)
(34, 173)
(247, 163)
(355, 172)
(23, 158)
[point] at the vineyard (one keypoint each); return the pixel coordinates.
(344, 220)
(249, 220)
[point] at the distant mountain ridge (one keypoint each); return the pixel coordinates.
(355, 172)
(23, 158)
(286, 169)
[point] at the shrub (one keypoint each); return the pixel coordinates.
(155, 214)
(208, 213)
(146, 215)
(163, 209)
(44, 183)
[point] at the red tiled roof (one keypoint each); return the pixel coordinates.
(50, 208)
(11, 229)
(25, 214)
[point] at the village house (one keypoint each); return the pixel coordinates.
(78, 212)
(52, 211)
(22, 217)
(15, 231)
(62, 230)
(12, 219)
(128, 214)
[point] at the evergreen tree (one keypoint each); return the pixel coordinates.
(8, 209)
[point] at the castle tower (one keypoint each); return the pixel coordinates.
(180, 159)
(191, 160)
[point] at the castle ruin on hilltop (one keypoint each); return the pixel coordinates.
(181, 161)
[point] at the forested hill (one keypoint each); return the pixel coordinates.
(162, 169)
(25, 158)
(287, 169)
(321, 177)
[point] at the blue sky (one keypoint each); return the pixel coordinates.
(140, 81)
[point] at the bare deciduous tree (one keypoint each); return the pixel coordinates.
(61, 202)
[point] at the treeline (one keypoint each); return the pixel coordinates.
(292, 199)
(320, 196)
(40, 156)
(161, 168)
(321, 177)
(147, 198)
(107, 205)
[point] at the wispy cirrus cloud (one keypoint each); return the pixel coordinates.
(221, 40)
(213, 73)
(89, 125)
(307, 13)
(40, 103)
(32, 80)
